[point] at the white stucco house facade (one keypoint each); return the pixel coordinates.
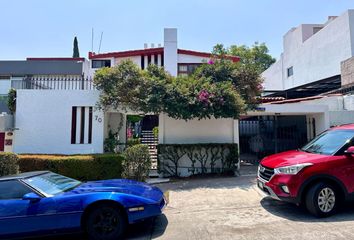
(64, 120)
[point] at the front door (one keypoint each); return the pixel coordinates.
(149, 122)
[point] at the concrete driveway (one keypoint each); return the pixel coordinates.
(232, 208)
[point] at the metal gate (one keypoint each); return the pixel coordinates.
(264, 135)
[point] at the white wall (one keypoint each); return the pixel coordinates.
(314, 58)
(114, 120)
(43, 118)
(134, 59)
(183, 58)
(170, 50)
(197, 131)
(5, 86)
(341, 117)
(273, 76)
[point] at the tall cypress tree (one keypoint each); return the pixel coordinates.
(76, 52)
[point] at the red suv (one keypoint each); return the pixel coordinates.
(320, 175)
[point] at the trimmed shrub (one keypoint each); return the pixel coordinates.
(133, 141)
(8, 164)
(82, 167)
(137, 162)
(203, 158)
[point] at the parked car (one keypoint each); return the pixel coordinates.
(42, 203)
(320, 175)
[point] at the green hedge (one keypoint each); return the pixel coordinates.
(82, 167)
(8, 164)
(204, 158)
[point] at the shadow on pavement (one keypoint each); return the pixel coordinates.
(217, 182)
(297, 213)
(148, 229)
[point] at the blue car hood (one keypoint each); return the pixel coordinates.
(120, 186)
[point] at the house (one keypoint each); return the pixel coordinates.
(32, 73)
(14, 74)
(59, 117)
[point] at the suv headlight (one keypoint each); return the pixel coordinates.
(292, 170)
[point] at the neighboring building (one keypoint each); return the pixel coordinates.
(33, 73)
(15, 74)
(315, 75)
(315, 59)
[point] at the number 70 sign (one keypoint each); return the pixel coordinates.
(98, 119)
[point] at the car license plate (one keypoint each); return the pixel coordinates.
(261, 185)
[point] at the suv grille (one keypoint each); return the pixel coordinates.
(265, 172)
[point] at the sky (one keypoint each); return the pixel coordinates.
(46, 28)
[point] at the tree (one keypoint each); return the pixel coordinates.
(219, 88)
(121, 86)
(244, 75)
(257, 55)
(76, 53)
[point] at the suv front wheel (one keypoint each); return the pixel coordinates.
(322, 200)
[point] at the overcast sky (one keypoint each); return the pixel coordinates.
(46, 28)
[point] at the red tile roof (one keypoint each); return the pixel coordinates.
(152, 51)
(296, 100)
(129, 53)
(271, 99)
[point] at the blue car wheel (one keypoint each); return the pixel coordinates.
(105, 222)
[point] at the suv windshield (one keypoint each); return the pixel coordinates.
(329, 142)
(51, 183)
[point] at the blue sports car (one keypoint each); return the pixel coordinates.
(42, 203)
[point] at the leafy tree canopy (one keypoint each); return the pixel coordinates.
(219, 88)
(257, 55)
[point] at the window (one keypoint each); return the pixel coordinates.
(101, 63)
(183, 68)
(187, 68)
(328, 143)
(12, 189)
(81, 125)
(51, 183)
(290, 71)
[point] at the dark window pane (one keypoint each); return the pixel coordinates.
(290, 71)
(12, 190)
(329, 142)
(101, 63)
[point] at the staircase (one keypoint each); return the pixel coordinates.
(149, 139)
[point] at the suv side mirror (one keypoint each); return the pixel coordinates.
(32, 197)
(350, 150)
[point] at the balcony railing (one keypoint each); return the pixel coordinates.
(54, 83)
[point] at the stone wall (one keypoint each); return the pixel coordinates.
(347, 71)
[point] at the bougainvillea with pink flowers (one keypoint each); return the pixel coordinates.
(219, 88)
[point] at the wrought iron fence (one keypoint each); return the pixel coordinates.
(54, 83)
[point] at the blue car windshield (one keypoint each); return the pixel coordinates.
(52, 184)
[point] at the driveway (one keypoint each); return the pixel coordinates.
(232, 208)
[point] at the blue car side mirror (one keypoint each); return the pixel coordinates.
(32, 197)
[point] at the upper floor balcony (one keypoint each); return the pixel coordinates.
(54, 83)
